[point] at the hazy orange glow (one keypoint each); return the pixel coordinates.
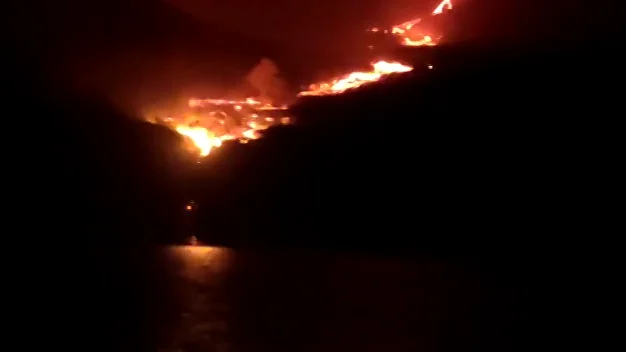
(409, 34)
(215, 124)
(204, 139)
(444, 4)
(356, 79)
(219, 120)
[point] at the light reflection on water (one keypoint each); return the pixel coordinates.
(203, 299)
(232, 300)
(199, 261)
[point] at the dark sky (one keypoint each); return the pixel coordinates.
(329, 22)
(144, 51)
(311, 22)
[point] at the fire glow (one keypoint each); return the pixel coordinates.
(208, 134)
(407, 32)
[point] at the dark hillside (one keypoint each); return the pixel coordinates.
(437, 160)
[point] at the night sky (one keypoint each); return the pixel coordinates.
(329, 22)
(143, 52)
(317, 23)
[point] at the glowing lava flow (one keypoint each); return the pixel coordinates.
(381, 68)
(444, 4)
(204, 139)
(222, 120)
(407, 30)
(356, 79)
(209, 129)
(210, 122)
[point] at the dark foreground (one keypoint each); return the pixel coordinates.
(217, 299)
(461, 176)
(485, 150)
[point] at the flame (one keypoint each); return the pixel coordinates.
(206, 138)
(381, 68)
(409, 38)
(201, 137)
(444, 3)
(427, 40)
(250, 134)
(356, 79)
(208, 129)
(201, 102)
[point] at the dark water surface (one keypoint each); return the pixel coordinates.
(230, 300)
